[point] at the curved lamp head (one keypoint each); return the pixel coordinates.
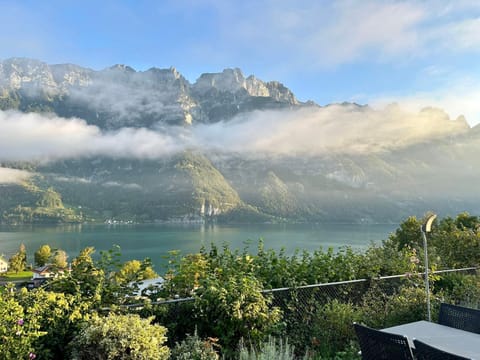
(427, 226)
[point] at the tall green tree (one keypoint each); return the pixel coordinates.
(18, 261)
(457, 241)
(88, 276)
(42, 255)
(408, 234)
(15, 263)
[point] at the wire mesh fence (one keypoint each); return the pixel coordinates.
(300, 305)
(304, 298)
(345, 291)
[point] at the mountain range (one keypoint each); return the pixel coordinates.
(155, 147)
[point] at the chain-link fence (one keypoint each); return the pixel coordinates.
(353, 291)
(326, 311)
(302, 306)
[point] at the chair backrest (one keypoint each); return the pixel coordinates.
(460, 317)
(379, 345)
(427, 352)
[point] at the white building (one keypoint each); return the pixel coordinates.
(146, 287)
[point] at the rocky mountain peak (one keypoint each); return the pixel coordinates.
(165, 75)
(229, 80)
(121, 96)
(26, 73)
(121, 68)
(233, 81)
(281, 93)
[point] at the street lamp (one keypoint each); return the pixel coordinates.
(426, 228)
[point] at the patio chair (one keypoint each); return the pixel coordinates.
(427, 352)
(459, 317)
(379, 345)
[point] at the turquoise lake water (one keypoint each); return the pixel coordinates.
(155, 241)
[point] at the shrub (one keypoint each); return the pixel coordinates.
(194, 348)
(408, 305)
(18, 328)
(332, 329)
(270, 350)
(121, 337)
(351, 352)
(234, 308)
(460, 289)
(59, 315)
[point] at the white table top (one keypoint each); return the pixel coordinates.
(449, 339)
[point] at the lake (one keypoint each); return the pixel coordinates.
(154, 241)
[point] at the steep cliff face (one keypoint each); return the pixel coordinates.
(233, 81)
(226, 94)
(28, 75)
(119, 96)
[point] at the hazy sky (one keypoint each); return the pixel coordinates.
(417, 53)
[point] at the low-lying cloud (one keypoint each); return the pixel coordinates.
(334, 129)
(13, 176)
(307, 131)
(38, 137)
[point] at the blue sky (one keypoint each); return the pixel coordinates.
(416, 53)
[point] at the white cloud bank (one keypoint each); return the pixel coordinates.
(309, 131)
(13, 176)
(34, 136)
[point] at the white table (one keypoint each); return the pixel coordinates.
(449, 339)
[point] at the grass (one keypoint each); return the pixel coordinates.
(21, 275)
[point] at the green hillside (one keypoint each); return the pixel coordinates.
(29, 204)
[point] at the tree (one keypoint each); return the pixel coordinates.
(42, 255)
(466, 221)
(87, 275)
(15, 263)
(18, 261)
(457, 241)
(408, 234)
(59, 259)
(135, 270)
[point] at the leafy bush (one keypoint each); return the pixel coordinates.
(58, 315)
(234, 308)
(332, 329)
(408, 305)
(459, 289)
(351, 352)
(381, 310)
(194, 348)
(18, 328)
(121, 337)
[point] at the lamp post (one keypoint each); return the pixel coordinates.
(426, 228)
